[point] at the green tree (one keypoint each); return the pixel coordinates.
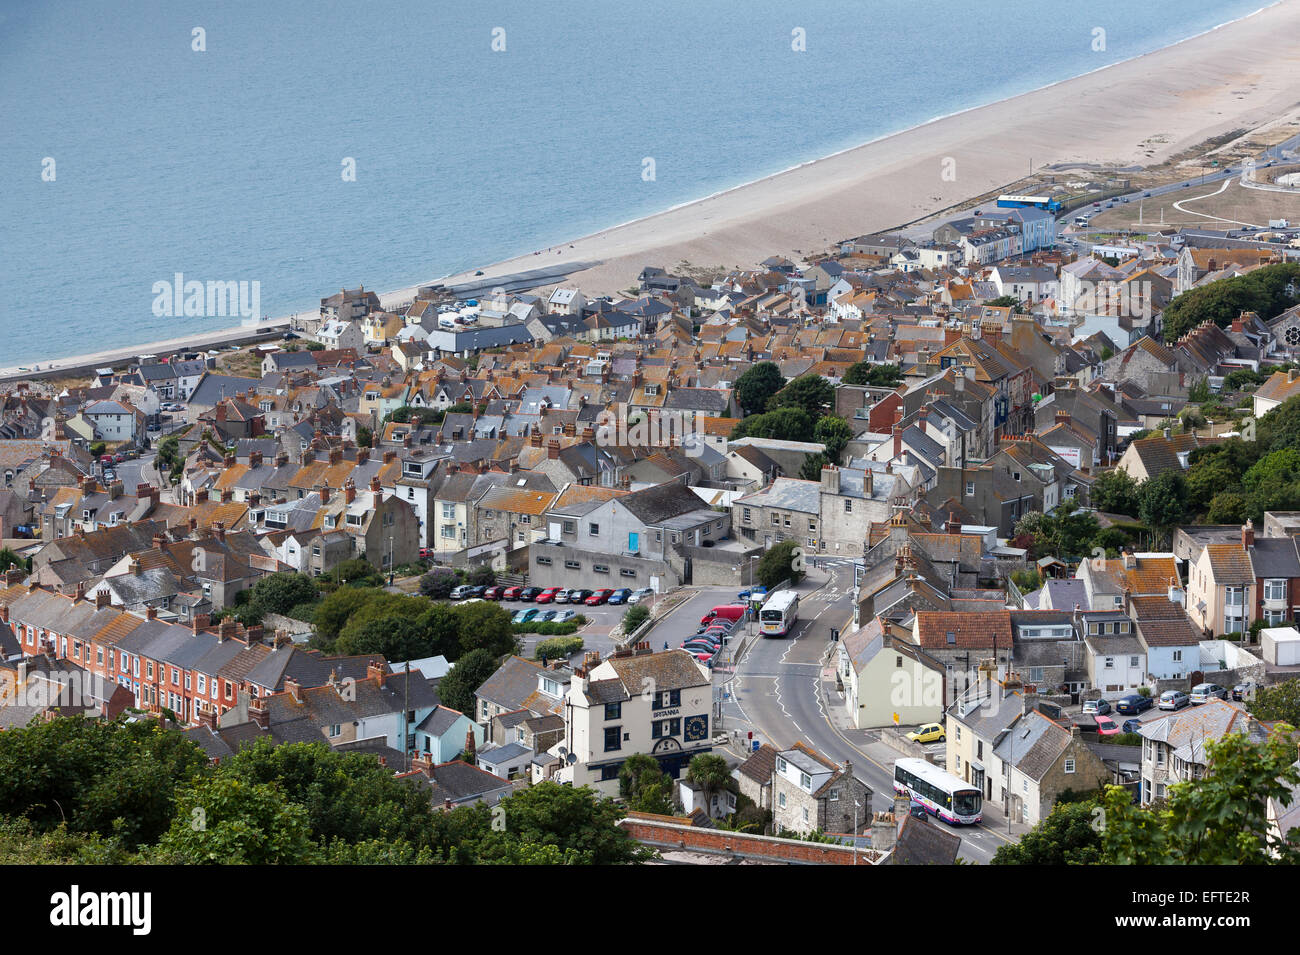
(470, 672)
(785, 424)
(1116, 493)
(1068, 836)
(280, 593)
(1163, 503)
(784, 560)
(1280, 702)
(1221, 819)
(870, 373)
(393, 637)
(226, 821)
(834, 432)
(857, 373)
(812, 393)
(757, 385)
(485, 626)
(711, 773)
(438, 583)
(333, 612)
(574, 820)
(1200, 391)
(634, 616)
(1227, 508)
(1263, 291)
(644, 786)
(9, 559)
(811, 469)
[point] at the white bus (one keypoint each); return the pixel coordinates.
(952, 799)
(779, 614)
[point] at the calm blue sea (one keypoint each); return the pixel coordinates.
(226, 164)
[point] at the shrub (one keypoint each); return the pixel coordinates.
(558, 647)
(635, 616)
(438, 583)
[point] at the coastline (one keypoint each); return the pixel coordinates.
(1169, 99)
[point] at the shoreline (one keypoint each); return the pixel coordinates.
(1170, 94)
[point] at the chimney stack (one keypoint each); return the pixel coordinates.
(1248, 533)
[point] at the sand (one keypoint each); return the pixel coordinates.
(1139, 112)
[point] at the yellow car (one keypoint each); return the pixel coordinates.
(928, 733)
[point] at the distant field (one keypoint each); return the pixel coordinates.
(1251, 206)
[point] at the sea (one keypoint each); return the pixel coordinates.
(309, 146)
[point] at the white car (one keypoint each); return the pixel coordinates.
(563, 616)
(640, 595)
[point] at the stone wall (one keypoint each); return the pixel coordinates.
(665, 833)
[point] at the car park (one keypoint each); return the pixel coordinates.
(548, 595)
(1204, 692)
(928, 733)
(619, 596)
(525, 615)
(1106, 726)
(511, 593)
(1133, 704)
(1093, 707)
(529, 594)
(1173, 700)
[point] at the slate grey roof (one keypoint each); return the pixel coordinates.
(660, 503)
(441, 720)
(788, 494)
(921, 842)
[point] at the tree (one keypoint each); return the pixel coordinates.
(1068, 836)
(710, 772)
(1281, 701)
(1163, 502)
(857, 373)
(333, 613)
(9, 559)
(870, 373)
(1200, 391)
(1227, 508)
(757, 385)
(811, 469)
(485, 626)
(574, 820)
(812, 393)
(470, 672)
(783, 561)
(644, 786)
(1116, 492)
(438, 583)
(634, 617)
(787, 424)
(280, 593)
(1263, 290)
(226, 821)
(481, 576)
(365, 437)
(393, 637)
(834, 432)
(1220, 819)
(357, 572)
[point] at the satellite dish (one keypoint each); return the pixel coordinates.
(571, 758)
(563, 751)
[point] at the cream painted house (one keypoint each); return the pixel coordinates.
(1221, 589)
(889, 681)
(636, 701)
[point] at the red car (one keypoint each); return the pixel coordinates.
(548, 595)
(1106, 726)
(511, 593)
(598, 598)
(493, 593)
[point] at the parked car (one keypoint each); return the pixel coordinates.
(1244, 691)
(639, 595)
(477, 590)
(493, 593)
(525, 615)
(579, 596)
(563, 616)
(598, 597)
(1093, 707)
(548, 595)
(1133, 704)
(561, 596)
(1173, 700)
(1146, 195)
(511, 593)
(928, 733)
(620, 596)
(461, 592)
(529, 594)
(110, 475)
(1132, 726)
(545, 616)
(1106, 726)
(1204, 692)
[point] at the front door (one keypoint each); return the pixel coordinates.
(633, 542)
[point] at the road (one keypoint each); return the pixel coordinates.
(776, 690)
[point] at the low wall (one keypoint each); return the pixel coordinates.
(897, 740)
(659, 832)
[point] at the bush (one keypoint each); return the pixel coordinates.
(557, 648)
(1126, 739)
(438, 583)
(304, 612)
(635, 616)
(482, 576)
(546, 628)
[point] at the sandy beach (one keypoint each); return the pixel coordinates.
(1139, 112)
